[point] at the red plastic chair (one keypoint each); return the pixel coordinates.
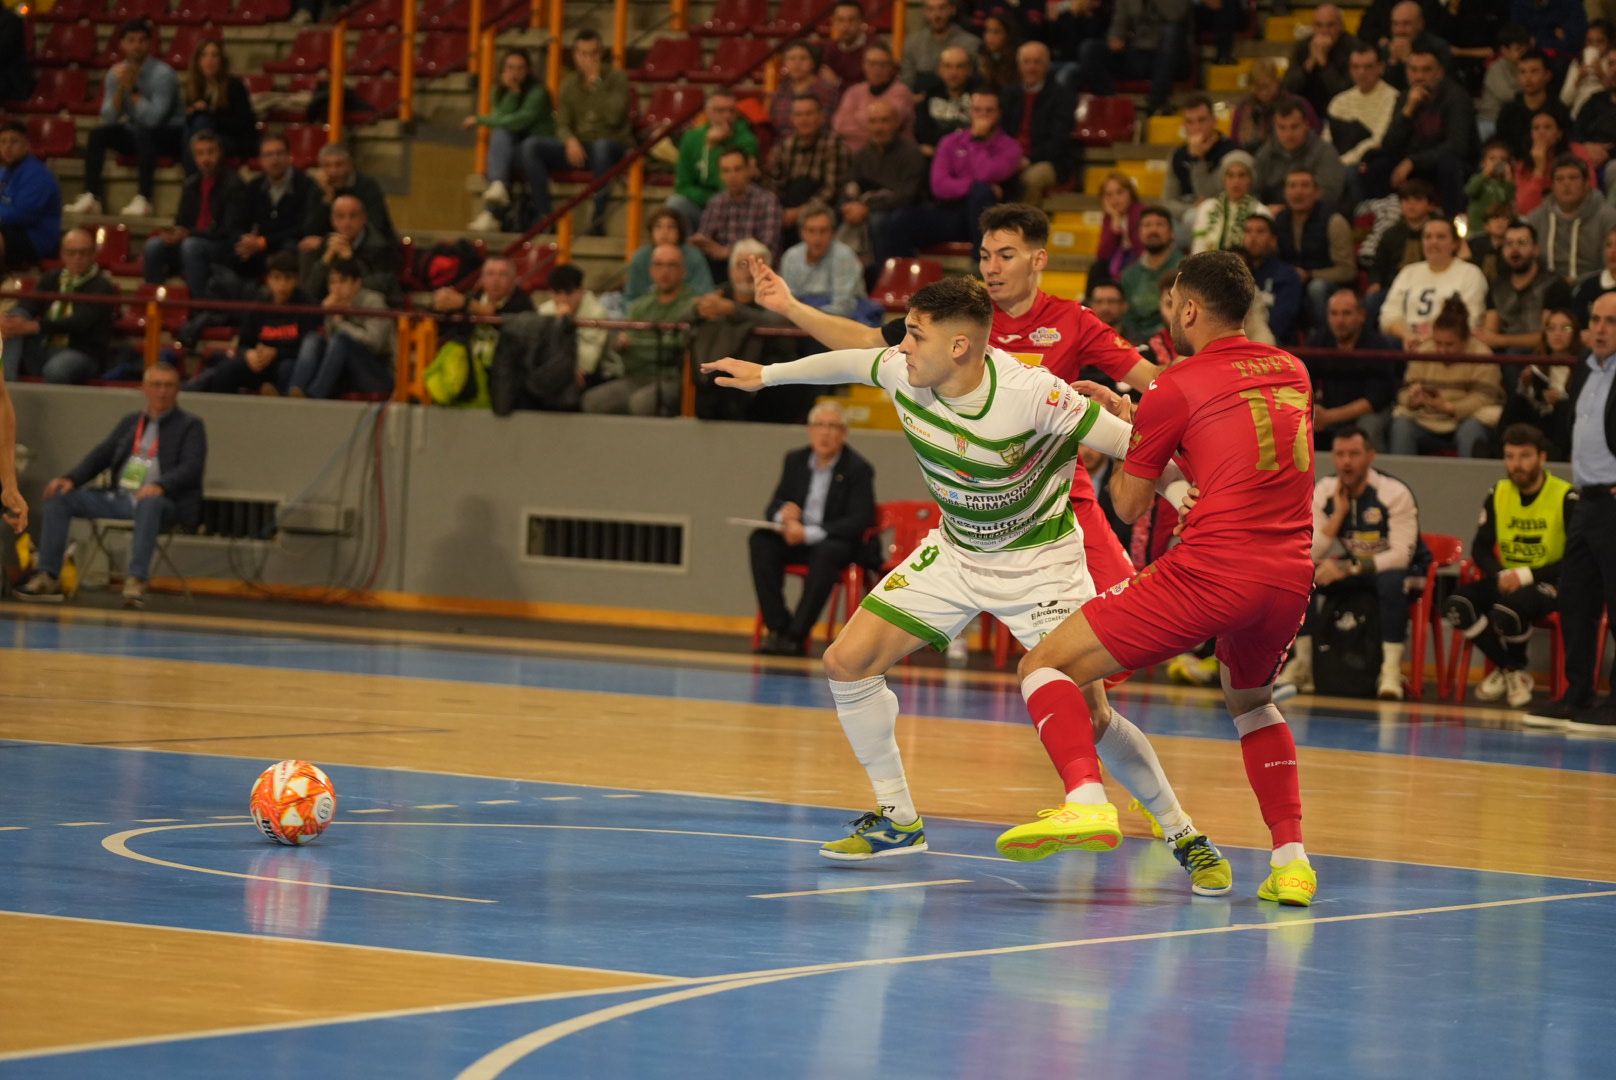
(68, 43)
(377, 53)
(1424, 617)
(901, 278)
(132, 316)
(254, 12)
(199, 12)
(533, 263)
(735, 57)
(112, 250)
(847, 592)
(124, 10)
(1456, 680)
(1601, 683)
(667, 105)
(59, 89)
(908, 521)
(310, 51)
(52, 136)
(1102, 121)
(382, 95)
(382, 13)
(454, 15)
(669, 60)
(70, 11)
(732, 17)
(793, 19)
(443, 54)
(304, 142)
(185, 42)
(259, 83)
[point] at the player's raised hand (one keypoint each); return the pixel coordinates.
(772, 292)
(737, 374)
(1118, 405)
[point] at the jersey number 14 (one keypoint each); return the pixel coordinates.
(1262, 417)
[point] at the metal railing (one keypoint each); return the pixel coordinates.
(338, 64)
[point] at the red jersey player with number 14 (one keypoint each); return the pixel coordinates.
(1237, 415)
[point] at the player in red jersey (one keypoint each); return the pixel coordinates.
(1238, 415)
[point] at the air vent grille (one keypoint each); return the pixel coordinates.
(580, 538)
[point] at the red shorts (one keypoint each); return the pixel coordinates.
(1171, 607)
(1107, 559)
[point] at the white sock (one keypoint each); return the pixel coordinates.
(869, 715)
(1088, 793)
(1286, 853)
(1132, 760)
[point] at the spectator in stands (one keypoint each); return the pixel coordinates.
(59, 340)
(1486, 248)
(1594, 126)
(697, 179)
(923, 47)
(1140, 280)
(1421, 289)
(1402, 245)
(968, 174)
(1502, 81)
(592, 117)
(1535, 96)
(821, 271)
(1592, 286)
(1366, 536)
(799, 75)
(1582, 77)
(1539, 395)
(1279, 286)
(141, 114)
(1409, 37)
(1192, 176)
(1448, 405)
(667, 227)
(823, 504)
(1120, 208)
(1254, 117)
(521, 116)
(1471, 29)
(727, 318)
(569, 299)
(1358, 118)
(336, 177)
(16, 73)
(1573, 221)
(1534, 174)
(353, 239)
(888, 174)
(277, 203)
(1519, 545)
(1516, 302)
(1555, 25)
(1315, 242)
(1493, 184)
(1433, 132)
(1038, 113)
(649, 385)
(356, 353)
(1293, 145)
(808, 165)
(267, 342)
(842, 57)
(880, 81)
(1146, 39)
(206, 224)
(742, 209)
(1220, 222)
(1318, 69)
(496, 294)
(996, 60)
(946, 106)
(154, 459)
(1348, 391)
(1107, 300)
(1077, 21)
(30, 201)
(217, 101)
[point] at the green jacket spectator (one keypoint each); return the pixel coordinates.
(526, 113)
(696, 180)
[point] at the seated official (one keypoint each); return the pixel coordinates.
(824, 503)
(1366, 535)
(1518, 546)
(267, 342)
(59, 340)
(155, 459)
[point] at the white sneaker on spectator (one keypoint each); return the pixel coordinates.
(84, 204)
(484, 222)
(1391, 672)
(137, 207)
(134, 593)
(1521, 685)
(1493, 687)
(495, 194)
(301, 17)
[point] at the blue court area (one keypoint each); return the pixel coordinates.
(1077, 966)
(1418, 730)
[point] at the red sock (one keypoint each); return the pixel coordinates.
(1270, 755)
(1061, 716)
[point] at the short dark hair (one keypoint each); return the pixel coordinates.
(1264, 220)
(1514, 34)
(1196, 101)
(1427, 50)
(1155, 210)
(1031, 222)
(588, 33)
(1526, 435)
(282, 262)
(1364, 47)
(135, 26)
(272, 137)
(1536, 54)
(820, 105)
(851, 4)
(1570, 161)
(1098, 285)
(1221, 281)
(677, 218)
(566, 278)
(206, 134)
(1350, 431)
(1349, 291)
(745, 154)
(1521, 223)
(1290, 106)
(1438, 219)
(1416, 188)
(16, 127)
(807, 46)
(955, 297)
(348, 268)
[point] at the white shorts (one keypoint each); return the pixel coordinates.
(934, 594)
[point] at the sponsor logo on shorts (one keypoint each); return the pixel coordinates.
(896, 581)
(1044, 335)
(1116, 590)
(1055, 611)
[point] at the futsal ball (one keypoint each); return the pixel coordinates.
(293, 802)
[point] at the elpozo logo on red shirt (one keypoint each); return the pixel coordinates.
(1044, 335)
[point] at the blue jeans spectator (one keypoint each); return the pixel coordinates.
(146, 144)
(542, 153)
(1471, 439)
(193, 257)
(64, 366)
(150, 515)
(1099, 65)
(326, 366)
(1389, 586)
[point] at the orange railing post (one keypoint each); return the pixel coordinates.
(485, 97)
(636, 207)
(152, 344)
(339, 56)
(900, 15)
(404, 350)
(535, 15)
(406, 67)
(679, 11)
(564, 239)
(619, 31)
(475, 34)
(552, 71)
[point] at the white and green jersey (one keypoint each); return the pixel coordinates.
(999, 461)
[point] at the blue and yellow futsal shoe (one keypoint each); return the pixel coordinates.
(1068, 827)
(874, 837)
(1293, 884)
(1210, 873)
(1155, 826)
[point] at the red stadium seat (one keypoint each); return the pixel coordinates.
(52, 136)
(878, 14)
(112, 250)
(378, 52)
(846, 593)
(670, 105)
(259, 83)
(132, 316)
(1102, 121)
(68, 43)
(734, 57)
(304, 142)
(533, 265)
(442, 54)
(450, 15)
(200, 12)
(378, 15)
(1424, 618)
(255, 12)
(59, 89)
(670, 59)
(71, 11)
(794, 19)
(733, 17)
(311, 51)
(901, 278)
(124, 10)
(186, 40)
(382, 95)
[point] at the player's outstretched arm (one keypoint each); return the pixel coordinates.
(15, 508)
(823, 369)
(833, 331)
(735, 374)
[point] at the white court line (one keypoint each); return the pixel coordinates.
(496, 802)
(156, 820)
(860, 888)
(13, 828)
(80, 824)
(620, 796)
(436, 806)
(372, 810)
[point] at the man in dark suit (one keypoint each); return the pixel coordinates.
(205, 225)
(824, 504)
(155, 458)
(1038, 114)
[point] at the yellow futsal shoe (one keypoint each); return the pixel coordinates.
(1210, 873)
(1155, 826)
(875, 836)
(1293, 884)
(1068, 827)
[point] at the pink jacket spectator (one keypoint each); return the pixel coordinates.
(849, 121)
(962, 161)
(1115, 250)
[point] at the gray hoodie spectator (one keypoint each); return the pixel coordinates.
(1572, 222)
(1293, 145)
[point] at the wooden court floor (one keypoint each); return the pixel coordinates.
(555, 860)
